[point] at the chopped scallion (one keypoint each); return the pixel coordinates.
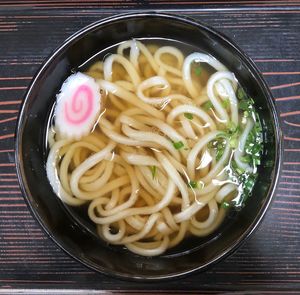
(198, 71)
(246, 159)
(241, 94)
(252, 150)
(207, 105)
(225, 205)
(235, 167)
(233, 142)
(232, 128)
(244, 105)
(220, 152)
(153, 171)
(178, 145)
(246, 114)
(193, 184)
(188, 116)
(226, 103)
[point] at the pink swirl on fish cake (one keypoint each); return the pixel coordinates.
(73, 108)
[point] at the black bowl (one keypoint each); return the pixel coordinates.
(63, 224)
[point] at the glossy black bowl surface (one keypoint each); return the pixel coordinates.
(59, 221)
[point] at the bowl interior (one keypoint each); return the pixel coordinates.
(64, 224)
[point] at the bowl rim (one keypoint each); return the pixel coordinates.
(271, 105)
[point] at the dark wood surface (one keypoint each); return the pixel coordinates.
(269, 31)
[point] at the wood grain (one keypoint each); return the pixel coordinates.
(268, 31)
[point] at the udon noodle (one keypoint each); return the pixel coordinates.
(176, 144)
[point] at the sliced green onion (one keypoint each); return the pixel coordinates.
(244, 105)
(241, 94)
(193, 184)
(178, 145)
(226, 103)
(246, 159)
(256, 161)
(212, 144)
(188, 116)
(207, 105)
(225, 205)
(233, 142)
(239, 170)
(246, 114)
(232, 128)
(153, 171)
(235, 167)
(219, 154)
(198, 71)
(249, 183)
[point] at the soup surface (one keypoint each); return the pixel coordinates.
(157, 141)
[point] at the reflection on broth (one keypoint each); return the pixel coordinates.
(158, 141)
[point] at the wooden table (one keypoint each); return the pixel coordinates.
(268, 31)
